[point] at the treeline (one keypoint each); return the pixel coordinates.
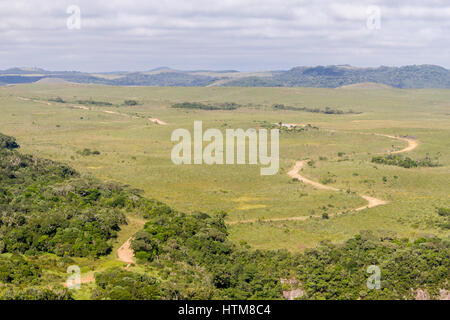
(94, 103)
(201, 106)
(327, 110)
(404, 162)
(197, 261)
(128, 102)
(21, 279)
(48, 207)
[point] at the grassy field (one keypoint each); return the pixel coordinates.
(135, 151)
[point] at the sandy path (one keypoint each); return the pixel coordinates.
(83, 280)
(412, 143)
(373, 202)
(126, 254)
(37, 101)
(82, 107)
(294, 173)
(114, 112)
(106, 111)
(157, 121)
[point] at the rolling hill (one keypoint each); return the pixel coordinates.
(406, 77)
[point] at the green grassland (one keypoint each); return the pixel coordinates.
(135, 151)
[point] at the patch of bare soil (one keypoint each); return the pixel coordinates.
(125, 253)
(157, 121)
(37, 101)
(83, 280)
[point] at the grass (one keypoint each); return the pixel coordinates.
(135, 151)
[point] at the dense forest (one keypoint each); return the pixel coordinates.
(50, 214)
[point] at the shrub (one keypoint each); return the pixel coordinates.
(7, 142)
(130, 102)
(400, 161)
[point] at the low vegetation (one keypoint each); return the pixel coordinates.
(326, 110)
(57, 99)
(95, 103)
(88, 152)
(404, 162)
(130, 103)
(201, 106)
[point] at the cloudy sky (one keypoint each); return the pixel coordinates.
(222, 34)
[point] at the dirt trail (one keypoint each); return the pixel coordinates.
(126, 254)
(294, 173)
(412, 143)
(115, 112)
(157, 121)
(83, 280)
(373, 202)
(82, 107)
(33, 100)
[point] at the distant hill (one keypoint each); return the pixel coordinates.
(422, 76)
(415, 76)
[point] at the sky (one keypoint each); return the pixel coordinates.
(246, 35)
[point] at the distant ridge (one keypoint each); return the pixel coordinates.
(334, 76)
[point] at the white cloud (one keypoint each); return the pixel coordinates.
(133, 34)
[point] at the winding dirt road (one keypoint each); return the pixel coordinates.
(294, 173)
(412, 143)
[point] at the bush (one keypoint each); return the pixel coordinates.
(88, 152)
(444, 212)
(201, 106)
(94, 103)
(130, 102)
(57, 99)
(398, 160)
(7, 142)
